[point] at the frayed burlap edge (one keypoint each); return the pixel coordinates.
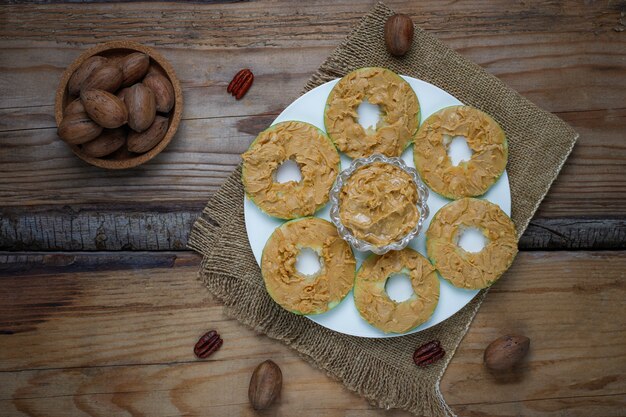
(381, 370)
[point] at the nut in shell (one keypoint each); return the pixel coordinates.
(78, 77)
(265, 385)
(78, 128)
(399, 34)
(112, 54)
(156, 69)
(134, 67)
(141, 106)
(104, 108)
(109, 141)
(107, 77)
(140, 142)
(505, 352)
(163, 91)
(121, 94)
(74, 107)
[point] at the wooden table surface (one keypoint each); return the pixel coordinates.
(99, 305)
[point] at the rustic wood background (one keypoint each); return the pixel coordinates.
(99, 306)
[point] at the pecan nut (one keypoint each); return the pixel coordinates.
(428, 353)
(208, 344)
(241, 83)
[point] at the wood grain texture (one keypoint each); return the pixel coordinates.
(111, 333)
(563, 55)
(152, 227)
(593, 179)
(574, 234)
(109, 342)
(36, 168)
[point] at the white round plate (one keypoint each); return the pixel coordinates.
(345, 318)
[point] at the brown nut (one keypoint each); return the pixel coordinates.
(146, 140)
(208, 344)
(505, 352)
(134, 67)
(104, 108)
(265, 385)
(107, 77)
(78, 128)
(428, 353)
(163, 91)
(240, 83)
(109, 141)
(156, 69)
(74, 107)
(78, 77)
(122, 94)
(141, 107)
(399, 34)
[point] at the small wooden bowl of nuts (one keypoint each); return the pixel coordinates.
(118, 105)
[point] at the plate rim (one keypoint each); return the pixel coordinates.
(247, 201)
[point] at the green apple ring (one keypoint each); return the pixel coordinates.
(471, 270)
(316, 157)
(307, 294)
(399, 107)
(382, 312)
(469, 178)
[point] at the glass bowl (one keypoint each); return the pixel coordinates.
(346, 234)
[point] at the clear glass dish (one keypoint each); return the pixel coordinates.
(346, 234)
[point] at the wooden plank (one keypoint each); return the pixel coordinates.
(46, 263)
(280, 75)
(563, 55)
(606, 406)
(126, 227)
(578, 234)
(553, 69)
(104, 342)
(71, 23)
(146, 227)
(118, 1)
(560, 300)
(36, 168)
(203, 388)
(550, 69)
(592, 182)
(200, 157)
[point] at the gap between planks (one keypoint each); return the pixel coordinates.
(167, 227)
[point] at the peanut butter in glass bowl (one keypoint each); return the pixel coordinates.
(378, 204)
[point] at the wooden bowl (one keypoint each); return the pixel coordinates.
(122, 160)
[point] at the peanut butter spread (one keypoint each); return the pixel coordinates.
(304, 294)
(399, 108)
(382, 312)
(316, 157)
(466, 269)
(378, 203)
(469, 178)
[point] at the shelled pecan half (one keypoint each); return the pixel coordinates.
(241, 83)
(428, 353)
(207, 344)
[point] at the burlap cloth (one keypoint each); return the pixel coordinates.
(382, 370)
